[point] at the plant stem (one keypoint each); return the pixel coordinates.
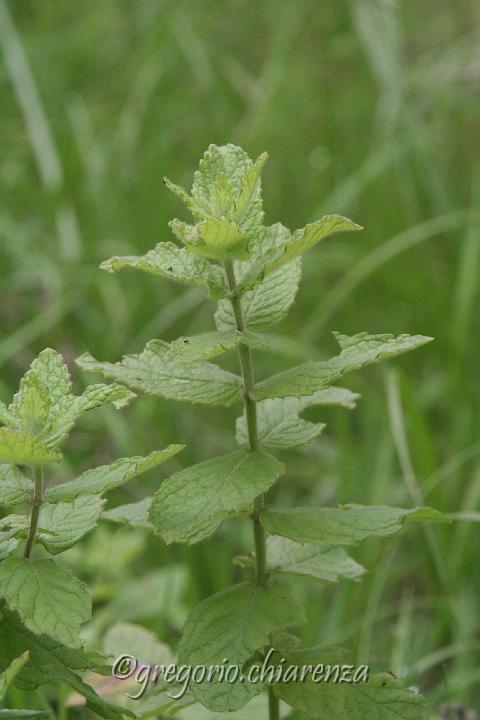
(37, 503)
(251, 414)
(273, 705)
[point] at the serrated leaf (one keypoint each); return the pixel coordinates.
(51, 662)
(134, 514)
(267, 303)
(304, 239)
(379, 698)
(357, 351)
(49, 599)
(62, 524)
(52, 371)
(194, 501)
(347, 525)
(7, 676)
(153, 372)
(234, 624)
(23, 448)
(94, 396)
(318, 561)
(248, 206)
(169, 261)
(211, 344)
(107, 477)
(279, 424)
(15, 488)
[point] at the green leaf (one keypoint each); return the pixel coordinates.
(126, 638)
(318, 561)
(304, 239)
(15, 488)
(94, 396)
(31, 404)
(7, 676)
(192, 503)
(211, 344)
(107, 477)
(267, 303)
(51, 662)
(169, 261)
(227, 184)
(62, 524)
(154, 372)
(222, 239)
(279, 424)
(235, 624)
(347, 525)
(49, 599)
(380, 698)
(23, 448)
(357, 351)
(49, 367)
(134, 514)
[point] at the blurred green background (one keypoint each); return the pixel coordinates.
(369, 108)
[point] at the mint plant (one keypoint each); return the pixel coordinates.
(42, 604)
(253, 271)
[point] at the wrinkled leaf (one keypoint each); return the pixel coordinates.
(154, 372)
(318, 561)
(191, 504)
(357, 351)
(49, 599)
(107, 477)
(62, 524)
(15, 488)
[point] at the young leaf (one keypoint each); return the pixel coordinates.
(134, 514)
(62, 524)
(169, 261)
(302, 240)
(191, 504)
(31, 404)
(318, 561)
(356, 352)
(53, 373)
(235, 624)
(210, 344)
(279, 424)
(15, 488)
(7, 545)
(23, 448)
(51, 662)
(222, 239)
(107, 477)
(343, 526)
(49, 599)
(378, 698)
(267, 303)
(154, 372)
